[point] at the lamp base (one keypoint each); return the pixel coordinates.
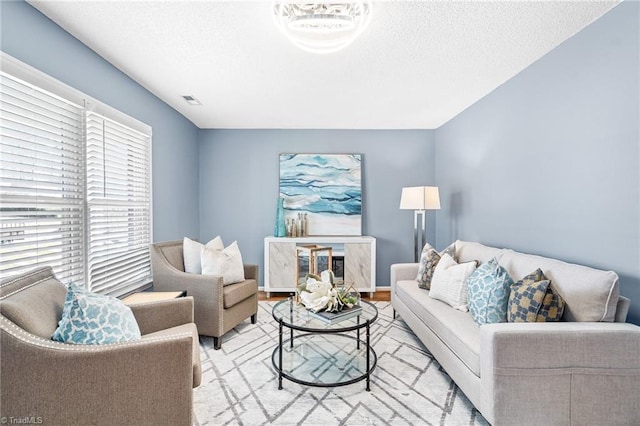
(417, 247)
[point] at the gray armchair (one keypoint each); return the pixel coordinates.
(217, 308)
(149, 381)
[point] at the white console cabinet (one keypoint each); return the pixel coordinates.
(280, 261)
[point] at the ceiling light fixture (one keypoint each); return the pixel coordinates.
(322, 27)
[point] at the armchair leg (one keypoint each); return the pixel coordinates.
(254, 318)
(217, 343)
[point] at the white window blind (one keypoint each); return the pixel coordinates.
(75, 184)
(41, 181)
(119, 205)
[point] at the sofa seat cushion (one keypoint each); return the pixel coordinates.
(34, 308)
(236, 293)
(180, 329)
(456, 329)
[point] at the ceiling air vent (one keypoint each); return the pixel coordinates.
(191, 100)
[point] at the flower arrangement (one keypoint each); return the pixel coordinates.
(320, 293)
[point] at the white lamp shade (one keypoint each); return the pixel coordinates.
(420, 198)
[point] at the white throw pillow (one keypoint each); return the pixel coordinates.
(191, 253)
(449, 282)
(227, 263)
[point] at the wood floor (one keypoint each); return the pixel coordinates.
(378, 296)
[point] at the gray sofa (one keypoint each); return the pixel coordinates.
(149, 381)
(584, 370)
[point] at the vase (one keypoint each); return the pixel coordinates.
(280, 229)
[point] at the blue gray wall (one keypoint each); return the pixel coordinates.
(239, 172)
(31, 37)
(548, 163)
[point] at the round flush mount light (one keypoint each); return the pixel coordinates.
(322, 27)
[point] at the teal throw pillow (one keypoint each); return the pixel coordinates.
(488, 289)
(94, 319)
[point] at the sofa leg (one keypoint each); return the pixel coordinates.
(254, 318)
(217, 343)
(394, 314)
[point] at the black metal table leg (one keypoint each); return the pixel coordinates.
(280, 358)
(291, 319)
(358, 334)
(368, 356)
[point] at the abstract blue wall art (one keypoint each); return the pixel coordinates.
(327, 187)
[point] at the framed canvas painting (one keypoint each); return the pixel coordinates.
(325, 187)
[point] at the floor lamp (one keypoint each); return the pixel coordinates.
(419, 199)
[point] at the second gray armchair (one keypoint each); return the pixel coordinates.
(217, 308)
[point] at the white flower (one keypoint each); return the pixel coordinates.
(319, 295)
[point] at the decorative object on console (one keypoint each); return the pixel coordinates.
(280, 228)
(322, 27)
(429, 259)
(325, 189)
(488, 290)
(95, 319)
(312, 251)
(449, 283)
(419, 199)
(298, 227)
(532, 299)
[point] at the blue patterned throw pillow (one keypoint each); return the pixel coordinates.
(95, 319)
(533, 299)
(488, 293)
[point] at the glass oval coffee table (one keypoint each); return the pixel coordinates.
(323, 354)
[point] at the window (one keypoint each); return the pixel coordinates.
(118, 203)
(41, 175)
(75, 188)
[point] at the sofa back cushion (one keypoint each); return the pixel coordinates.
(172, 251)
(468, 252)
(33, 301)
(589, 294)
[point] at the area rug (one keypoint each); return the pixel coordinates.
(408, 386)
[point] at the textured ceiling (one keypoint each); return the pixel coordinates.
(417, 65)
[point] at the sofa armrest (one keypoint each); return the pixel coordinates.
(204, 288)
(622, 309)
(403, 272)
(143, 382)
(578, 371)
(251, 272)
(560, 345)
(162, 314)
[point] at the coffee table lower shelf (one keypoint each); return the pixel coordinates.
(324, 360)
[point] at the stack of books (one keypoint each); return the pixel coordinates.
(333, 317)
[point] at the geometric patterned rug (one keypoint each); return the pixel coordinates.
(408, 386)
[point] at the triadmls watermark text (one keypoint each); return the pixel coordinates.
(24, 420)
